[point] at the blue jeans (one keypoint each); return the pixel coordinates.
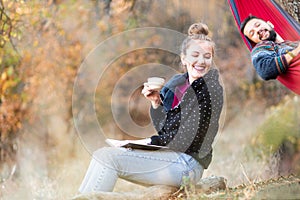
(138, 166)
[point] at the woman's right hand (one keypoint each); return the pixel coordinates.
(152, 96)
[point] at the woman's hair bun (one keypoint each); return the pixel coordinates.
(198, 29)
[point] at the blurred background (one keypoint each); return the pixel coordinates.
(42, 46)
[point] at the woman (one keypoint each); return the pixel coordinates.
(185, 114)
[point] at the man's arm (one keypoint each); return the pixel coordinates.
(268, 65)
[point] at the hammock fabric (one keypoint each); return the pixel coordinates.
(285, 25)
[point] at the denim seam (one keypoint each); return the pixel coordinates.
(99, 179)
(151, 158)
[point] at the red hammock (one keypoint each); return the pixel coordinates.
(284, 25)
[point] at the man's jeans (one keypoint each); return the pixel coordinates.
(139, 166)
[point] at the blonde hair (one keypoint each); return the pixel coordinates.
(199, 32)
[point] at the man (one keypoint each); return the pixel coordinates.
(273, 57)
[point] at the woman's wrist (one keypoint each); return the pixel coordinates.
(156, 104)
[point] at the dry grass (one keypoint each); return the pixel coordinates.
(279, 188)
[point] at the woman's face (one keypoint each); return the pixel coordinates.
(198, 59)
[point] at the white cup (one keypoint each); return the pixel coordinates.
(155, 83)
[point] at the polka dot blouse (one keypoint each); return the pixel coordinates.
(192, 125)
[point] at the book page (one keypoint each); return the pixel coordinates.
(134, 144)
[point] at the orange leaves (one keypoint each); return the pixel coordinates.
(8, 81)
(10, 106)
(11, 111)
(11, 13)
(10, 118)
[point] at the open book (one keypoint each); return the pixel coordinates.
(133, 144)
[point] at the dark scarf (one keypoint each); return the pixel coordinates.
(167, 92)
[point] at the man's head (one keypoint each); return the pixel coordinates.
(257, 30)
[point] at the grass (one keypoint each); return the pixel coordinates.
(280, 188)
